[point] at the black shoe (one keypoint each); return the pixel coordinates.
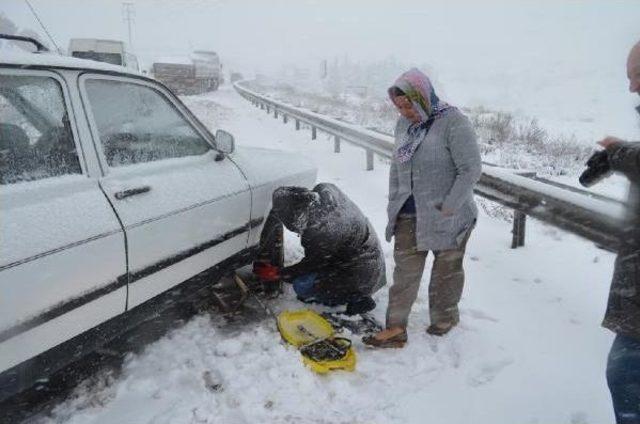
(360, 306)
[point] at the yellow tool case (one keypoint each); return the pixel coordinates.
(314, 336)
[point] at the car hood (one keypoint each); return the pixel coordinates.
(264, 166)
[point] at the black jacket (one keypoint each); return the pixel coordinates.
(341, 246)
(623, 307)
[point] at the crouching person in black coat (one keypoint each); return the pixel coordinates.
(343, 262)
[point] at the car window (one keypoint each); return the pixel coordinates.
(36, 141)
(137, 123)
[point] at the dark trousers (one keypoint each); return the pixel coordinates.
(623, 378)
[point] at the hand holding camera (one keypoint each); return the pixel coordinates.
(598, 166)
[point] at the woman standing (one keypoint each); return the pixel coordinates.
(431, 208)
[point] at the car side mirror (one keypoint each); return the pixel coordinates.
(225, 142)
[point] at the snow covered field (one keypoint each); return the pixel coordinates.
(529, 348)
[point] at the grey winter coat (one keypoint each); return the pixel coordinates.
(440, 174)
(623, 307)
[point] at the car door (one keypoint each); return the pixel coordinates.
(62, 249)
(184, 207)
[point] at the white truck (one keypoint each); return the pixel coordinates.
(108, 51)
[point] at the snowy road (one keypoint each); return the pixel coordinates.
(529, 348)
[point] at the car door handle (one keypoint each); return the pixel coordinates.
(131, 192)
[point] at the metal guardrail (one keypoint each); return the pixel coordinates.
(595, 217)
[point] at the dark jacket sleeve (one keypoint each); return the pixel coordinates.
(625, 158)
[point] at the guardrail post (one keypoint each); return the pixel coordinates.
(285, 118)
(275, 113)
(369, 160)
(519, 227)
(314, 133)
(297, 124)
(336, 145)
(268, 109)
(262, 106)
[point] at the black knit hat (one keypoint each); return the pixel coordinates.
(291, 204)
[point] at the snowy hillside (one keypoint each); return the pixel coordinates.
(529, 348)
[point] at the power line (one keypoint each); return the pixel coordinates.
(42, 25)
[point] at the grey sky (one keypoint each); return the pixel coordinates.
(558, 59)
(255, 34)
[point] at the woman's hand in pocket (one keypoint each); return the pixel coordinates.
(447, 212)
(444, 211)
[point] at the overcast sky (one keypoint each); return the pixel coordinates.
(541, 58)
(255, 34)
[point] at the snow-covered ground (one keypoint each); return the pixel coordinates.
(529, 348)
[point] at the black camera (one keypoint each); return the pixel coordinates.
(597, 168)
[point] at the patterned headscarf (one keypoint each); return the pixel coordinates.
(418, 89)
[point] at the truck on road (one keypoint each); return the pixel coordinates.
(195, 74)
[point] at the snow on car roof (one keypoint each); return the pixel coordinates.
(178, 60)
(58, 61)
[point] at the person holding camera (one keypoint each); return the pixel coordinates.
(623, 307)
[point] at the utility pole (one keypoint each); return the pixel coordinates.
(128, 13)
(323, 69)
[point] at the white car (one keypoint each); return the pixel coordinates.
(114, 199)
